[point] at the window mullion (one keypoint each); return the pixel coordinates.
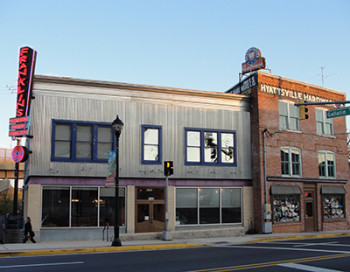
(198, 208)
(94, 142)
(74, 141)
(202, 147)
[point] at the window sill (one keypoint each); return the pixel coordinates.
(326, 135)
(289, 130)
(286, 223)
(332, 220)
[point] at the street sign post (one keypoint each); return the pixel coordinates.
(338, 112)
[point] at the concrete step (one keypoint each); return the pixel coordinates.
(14, 236)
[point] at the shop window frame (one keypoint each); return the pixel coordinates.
(202, 147)
(322, 121)
(122, 193)
(221, 207)
(325, 218)
(288, 117)
(160, 147)
(73, 141)
(326, 166)
(290, 161)
(274, 210)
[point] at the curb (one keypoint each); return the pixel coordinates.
(297, 237)
(17, 253)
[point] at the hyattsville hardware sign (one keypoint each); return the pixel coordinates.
(291, 94)
(19, 125)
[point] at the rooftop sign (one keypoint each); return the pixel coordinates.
(253, 61)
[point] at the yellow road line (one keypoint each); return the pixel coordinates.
(266, 264)
(17, 253)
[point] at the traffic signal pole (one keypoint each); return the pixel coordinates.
(166, 205)
(168, 171)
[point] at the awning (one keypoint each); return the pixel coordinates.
(285, 190)
(339, 190)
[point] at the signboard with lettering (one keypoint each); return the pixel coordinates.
(110, 179)
(297, 95)
(27, 58)
(19, 125)
(338, 112)
(245, 86)
(253, 61)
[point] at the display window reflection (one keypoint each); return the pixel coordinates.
(55, 210)
(333, 206)
(66, 206)
(208, 206)
(286, 208)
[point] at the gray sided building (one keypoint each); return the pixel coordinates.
(206, 134)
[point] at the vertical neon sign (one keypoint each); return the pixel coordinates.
(27, 57)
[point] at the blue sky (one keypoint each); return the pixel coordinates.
(193, 44)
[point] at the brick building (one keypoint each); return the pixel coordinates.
(300, 167)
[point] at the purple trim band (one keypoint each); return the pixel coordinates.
(75, 181)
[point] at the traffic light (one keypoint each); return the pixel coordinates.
(168, 168)
(303, 111)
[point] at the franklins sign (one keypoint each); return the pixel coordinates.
(291, 94)
(25, 80)
(26, 66)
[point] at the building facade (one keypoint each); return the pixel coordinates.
(206, 134)
(300, 167)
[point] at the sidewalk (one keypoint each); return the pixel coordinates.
(73, 247)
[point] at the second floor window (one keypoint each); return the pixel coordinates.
(213, 147)
(290, 161)
(81, 141)
(288, 116)
(324, 126)
(151, 144)
(326, 164)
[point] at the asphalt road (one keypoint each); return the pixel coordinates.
(322, 255)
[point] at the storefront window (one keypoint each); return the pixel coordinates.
(55, 211)
(333, 206)
(84, 207)
(286, 208)
(186, 206)
(107, 203)
(231, 205)
(208, 206)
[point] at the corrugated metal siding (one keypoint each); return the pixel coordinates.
(174, 112)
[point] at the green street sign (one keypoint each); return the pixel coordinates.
(338, 112)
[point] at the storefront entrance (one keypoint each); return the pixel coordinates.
(310, 209)
(150, 209)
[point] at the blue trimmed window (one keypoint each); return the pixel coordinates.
(210, 147)
(151, 144)
(77, 141)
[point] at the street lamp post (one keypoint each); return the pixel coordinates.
(117, 126)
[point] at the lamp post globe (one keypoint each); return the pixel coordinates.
(117, 126)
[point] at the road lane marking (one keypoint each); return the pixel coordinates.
(308, 268)
(37, 265)
(290, 248)
(273, 263)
